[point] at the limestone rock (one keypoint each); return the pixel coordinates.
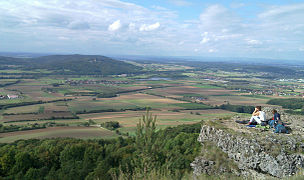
(268, 155)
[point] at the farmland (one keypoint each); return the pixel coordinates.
(176, 93)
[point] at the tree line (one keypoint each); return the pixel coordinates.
(168, 151)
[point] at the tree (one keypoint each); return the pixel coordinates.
(146, 147)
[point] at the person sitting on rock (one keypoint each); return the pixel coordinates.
(258, 116)
(275, 119)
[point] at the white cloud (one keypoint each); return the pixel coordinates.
(283, 11)
(181, 43)
(205, 40)
(224, 30)
(63, 38)
(237, 5)
(180, 2)
(212, 37)
(115, 26)
(217, 17)
(150, 27)
(283, 19)
(219, 28)
(212, 50)
(132, 26)
(79, 25)
(253, 41)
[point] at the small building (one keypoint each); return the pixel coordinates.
(12, 96)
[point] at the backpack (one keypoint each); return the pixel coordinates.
(280, 128)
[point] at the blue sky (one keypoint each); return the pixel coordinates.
(209, 28)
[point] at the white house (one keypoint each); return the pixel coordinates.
(12, 96)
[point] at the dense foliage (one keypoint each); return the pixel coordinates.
(294, 112)
(110, 110)
(291, 103)
(12, 127)
(173, 150)
(237, 108)
(5, 106)
(111, 125)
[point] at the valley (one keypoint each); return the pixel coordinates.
(177, 93)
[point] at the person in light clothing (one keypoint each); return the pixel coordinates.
(258, 116)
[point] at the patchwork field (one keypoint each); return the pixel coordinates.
(177, 94)
(129, 119)
(55, 132)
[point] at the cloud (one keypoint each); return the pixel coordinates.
(253, 42)
(150, 27)
(180, 2)
(283, 18)
(212, 50)
(205, 40)
(115, 26)
(132, 26)
(237, 5)
(181, 43)
(283, 11)
(217, 17)
(78, 25)
(226, 28)
(63, 38)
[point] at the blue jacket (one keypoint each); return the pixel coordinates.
(276, 117)
(274, 121)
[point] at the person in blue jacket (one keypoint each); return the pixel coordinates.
(275, 119)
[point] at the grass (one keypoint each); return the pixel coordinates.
(75, 132)
(13, 101)
(207, 86)
(23, 109)
(90, 105)
(193, 106)
(257, 96)
(160, 82)
(191, 95)
(298, 176)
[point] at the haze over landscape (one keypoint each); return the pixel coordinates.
(258, 29)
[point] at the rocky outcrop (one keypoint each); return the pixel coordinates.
(273, 154)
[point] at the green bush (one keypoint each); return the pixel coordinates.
(111, 125)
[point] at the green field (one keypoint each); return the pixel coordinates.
(83, 133)
(206, 86)
(187, 96)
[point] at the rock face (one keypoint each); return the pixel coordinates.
(272, 154)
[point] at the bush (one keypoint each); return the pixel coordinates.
(291, 103)
(237, 108)
(111, 125)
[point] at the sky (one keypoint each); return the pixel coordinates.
(208, 28)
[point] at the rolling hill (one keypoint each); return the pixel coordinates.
(72, 64)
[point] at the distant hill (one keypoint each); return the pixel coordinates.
(73, 64)
(4, 61)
